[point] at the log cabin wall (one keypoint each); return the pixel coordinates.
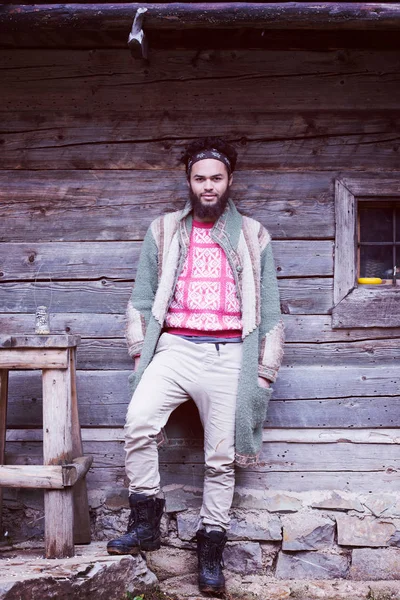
(90, 141)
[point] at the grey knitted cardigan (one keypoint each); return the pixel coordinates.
(248, 250)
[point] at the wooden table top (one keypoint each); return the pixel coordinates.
(39, 341)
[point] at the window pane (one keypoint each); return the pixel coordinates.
(376, 261)
(376, 224)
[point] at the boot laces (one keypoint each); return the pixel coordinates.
(214, 555)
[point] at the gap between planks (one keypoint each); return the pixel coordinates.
(297, 436)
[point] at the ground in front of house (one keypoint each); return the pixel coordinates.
(94, 575)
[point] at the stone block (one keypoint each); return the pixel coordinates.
(307, 531)
(338, 502)
(259, 499)
(179, 498)
(248, 498)
(245, 525)
(375, 564)
(187, 523)
(171, 562)
(269, 552)
(255, 525)
(243, 557)
(311, 565)
(92, 573)
(366, 531)
(283, 503)
(117, 499)
(380, 505)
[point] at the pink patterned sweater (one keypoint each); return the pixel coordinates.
(205, 301)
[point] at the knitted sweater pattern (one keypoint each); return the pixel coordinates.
(205, 298)
(247, 247)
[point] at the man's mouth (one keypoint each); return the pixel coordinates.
(209, 196)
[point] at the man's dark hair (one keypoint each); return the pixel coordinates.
(210, 143)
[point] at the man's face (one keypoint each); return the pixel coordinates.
(209, 186)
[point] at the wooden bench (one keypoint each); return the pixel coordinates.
(62, 476)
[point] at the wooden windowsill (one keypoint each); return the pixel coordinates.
(368, 306)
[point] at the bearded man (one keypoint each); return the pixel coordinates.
(204, 323)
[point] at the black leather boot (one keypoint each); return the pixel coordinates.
(143, 531)
(209, 552)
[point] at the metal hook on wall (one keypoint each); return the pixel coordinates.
(137, 40)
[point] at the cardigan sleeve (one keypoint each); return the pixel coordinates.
(141, 301)
(271, 325)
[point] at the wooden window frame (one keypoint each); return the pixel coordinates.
(359, 305)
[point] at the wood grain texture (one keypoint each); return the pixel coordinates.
(305, 139)
(368, 306)
(26, 358)
(39, 342)
(305, 295)
(285, 81)
(111, 353)
(318, 435)
(48, 477)
(82, 534)
(345, 242)
(335, 393)
(118, 260)
(175, 16)
(57, 450)
(314, 329)
(276, 456)
(3, 425)
(116, 206)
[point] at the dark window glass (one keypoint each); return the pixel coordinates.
(379, 239)
(376, 224)
(376, 261)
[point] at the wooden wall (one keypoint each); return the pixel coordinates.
(89, 150)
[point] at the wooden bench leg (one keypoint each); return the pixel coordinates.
(57, 450)
(81, 505)
(3, 429)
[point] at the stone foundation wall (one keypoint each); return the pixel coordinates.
(310, 535)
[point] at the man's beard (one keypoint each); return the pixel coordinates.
(213, 211)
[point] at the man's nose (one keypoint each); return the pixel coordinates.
(209, 185)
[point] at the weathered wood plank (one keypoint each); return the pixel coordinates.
(52, 19)
(118, 260)
(355, 411)
(298, 296)
(355, 140)
(108, 392)
(32, 476)
(285, 435)
(87, 324)
(298, 328)
(57, 449)
(368, 306)
(25, 358)
(345, 242)
(364, 75)
(111, 353)
(34, 66)
(299, 481)
(335, 412)
(121, 205)
(3, 424)
(318, 328)
(275, 456)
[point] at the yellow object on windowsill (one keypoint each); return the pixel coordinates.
(370, 280)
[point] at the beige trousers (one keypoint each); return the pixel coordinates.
(180, 370)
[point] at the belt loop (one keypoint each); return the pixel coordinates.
(217, 347)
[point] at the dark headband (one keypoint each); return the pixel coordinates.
(213, 153)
